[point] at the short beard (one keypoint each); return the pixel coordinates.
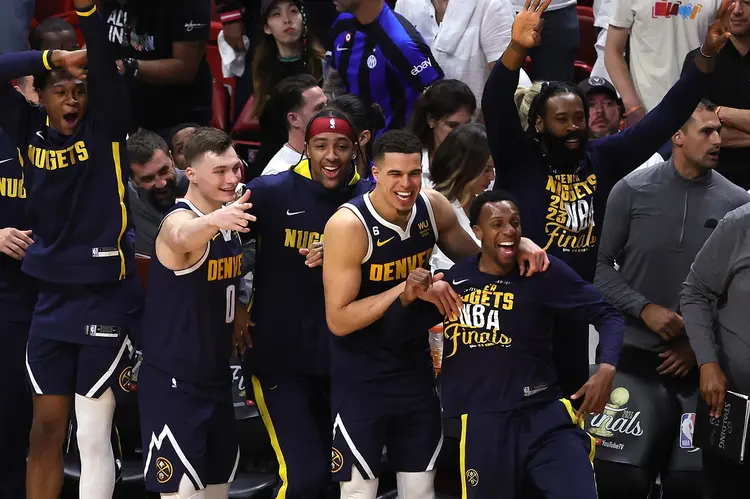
(558, 154)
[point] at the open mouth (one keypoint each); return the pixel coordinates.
(403, 196)
(330, 171)
(70, 119)
(507, 248)
(714, 155)
(572, 143)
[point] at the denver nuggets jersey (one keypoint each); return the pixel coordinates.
(383, 349)
(189, 316)
(17, 290)
(76, 184)
(497, 354)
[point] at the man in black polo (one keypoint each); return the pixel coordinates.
(730, 90)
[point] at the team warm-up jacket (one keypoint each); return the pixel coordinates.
(563, 210)
(288, 306)
(75, 184)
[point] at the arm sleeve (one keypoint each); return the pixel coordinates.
(107, 91)
(688, 62)
(623, 152)
(412, 54)
(192, 21)
(494, 32)
(15, 111)
(621, 14)
(615, 233)
(567, 292)
(707, 281)
(504, 131)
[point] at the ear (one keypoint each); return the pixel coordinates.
(293, 118)
(190, 174)
(375, 172)
(678, 138)
(266, 29)
(539, 124)
(364, 138)
(477, 231)
(431, 122)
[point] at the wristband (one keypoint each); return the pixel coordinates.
(131, 67)
(230, 17)
(47, 60)
(704, 54)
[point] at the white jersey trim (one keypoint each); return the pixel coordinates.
(34, 383)
(108, 373)
(157, 442)
(357, 455)
(431, 214)
(356, 211)
(404, 234)
(196, 265)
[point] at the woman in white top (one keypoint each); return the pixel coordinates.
(444, 106)
(461, 169)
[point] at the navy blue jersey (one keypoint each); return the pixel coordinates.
(386, 61)
(386, 350)
(497, 355)
(17, 290)
(288, 307)
(189, 318)
(76, 184)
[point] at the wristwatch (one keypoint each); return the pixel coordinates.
(131, 67)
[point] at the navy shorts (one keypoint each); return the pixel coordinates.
(540, 445)
(184, 434)
(411, 432)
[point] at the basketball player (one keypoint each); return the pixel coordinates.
(73, 148)
(498, 373)
(289, 359)
(185, 384)
(382, 382)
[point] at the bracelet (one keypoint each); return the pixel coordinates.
(704, 54)
(632, 110)
(131, 67)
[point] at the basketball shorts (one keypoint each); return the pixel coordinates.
(500, 453)
(412, 434)
(184, 434)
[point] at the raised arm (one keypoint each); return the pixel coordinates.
(617, 68)
(735, 118)
(107, 92)
(16, 112)
(506, 136)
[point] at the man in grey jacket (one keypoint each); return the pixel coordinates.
(714, 302)
(657, 220)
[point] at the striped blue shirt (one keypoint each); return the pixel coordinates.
(385, 62)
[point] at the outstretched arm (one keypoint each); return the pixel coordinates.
(346, 246)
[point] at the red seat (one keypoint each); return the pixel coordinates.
(220, 103)
(585, 10)
(246, 122)
(143, 264)
(587, 36)
(581, 72)
(49, 8)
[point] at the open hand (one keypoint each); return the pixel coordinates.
(233, 216)
(718, 32)
(527, 26)
(596, 391)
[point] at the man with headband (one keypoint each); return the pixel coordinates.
(289, 359)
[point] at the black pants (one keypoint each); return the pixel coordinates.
(725, 479)
(15, 410)
(570, 344)
(297, 415)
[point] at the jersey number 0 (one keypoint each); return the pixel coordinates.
(230, 303)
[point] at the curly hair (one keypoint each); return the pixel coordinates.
(538, 107)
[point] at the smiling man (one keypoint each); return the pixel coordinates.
(154, 185)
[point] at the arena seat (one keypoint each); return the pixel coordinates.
(220, 105)
(581, 71)
(48, 8)
(587, 36)
(683, 478)
(143, 263)
(633, 437)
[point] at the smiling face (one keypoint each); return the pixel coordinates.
(158, 177)
(65, 99)
(499, 230)
(330, 156)
(399, 180)
(216, 175)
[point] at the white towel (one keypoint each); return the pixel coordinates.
(456, 19)
(232, 62)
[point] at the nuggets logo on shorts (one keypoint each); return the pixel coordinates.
(125, 379)
(337, 460)
(163, 470)
(472, 477)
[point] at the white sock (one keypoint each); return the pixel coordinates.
(358, 487)
(186, 491)
(420, 485)
(95, 445)
(220, 491)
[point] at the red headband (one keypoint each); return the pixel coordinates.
(325, 124)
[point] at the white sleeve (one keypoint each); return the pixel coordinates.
(494, 31)
(621, 14)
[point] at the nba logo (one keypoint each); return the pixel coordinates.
(687, 425)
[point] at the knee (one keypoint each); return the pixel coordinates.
(48, 428)
(358, 487)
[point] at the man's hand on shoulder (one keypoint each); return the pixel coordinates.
(531, 258)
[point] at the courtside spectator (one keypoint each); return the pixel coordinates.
(367, 121)
(180, 135)
(296, 100)
(380, 57)
(153, 187)
(730, 90)
(466, 37)
(601, 9)
(286, 47)
(656, 222)
(445, 106)
(523, 98)
(461, 169)
(660, 35)
(714, 304)
(560, 178)
(161, 50)
(555, 59)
